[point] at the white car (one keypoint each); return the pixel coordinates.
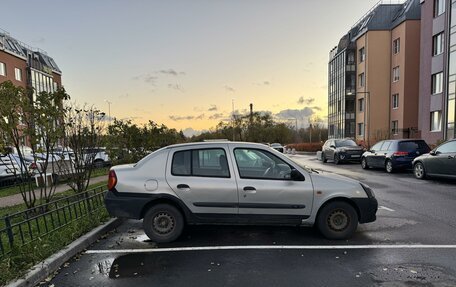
(234, 183)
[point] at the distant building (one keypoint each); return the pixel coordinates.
(386, 44)
(26, 66)
(29, 67)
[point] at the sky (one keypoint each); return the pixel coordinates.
(184, 63)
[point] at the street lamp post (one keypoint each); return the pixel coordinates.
(109, 109)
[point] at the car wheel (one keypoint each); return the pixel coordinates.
(364, 164)
(336, 159)
(337, 220)
(163, 223)
(419, 171)
(323, 157)
(389, 166)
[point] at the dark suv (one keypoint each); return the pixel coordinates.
(394, 154)
(341, 150)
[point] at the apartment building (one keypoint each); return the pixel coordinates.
(26, 66)
(386, 42)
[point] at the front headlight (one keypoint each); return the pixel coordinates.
(368, 190)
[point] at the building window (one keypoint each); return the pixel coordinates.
(436, 121)
(362, 55)
(2, 69)
(439, 7)
(361, 105)
(396, 74)
(361, 80)
(360, 129)
(395, 127)
(437, 83)
(395, 101)
(18, 74)
(437, 44)
(397, 46)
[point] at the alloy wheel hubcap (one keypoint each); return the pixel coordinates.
(338, 220)
(163, 223)
(389, 166)
(418, 170)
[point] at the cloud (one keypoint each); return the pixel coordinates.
(147, 78)
(229, 89)
(189, 132)
(317, 108)
(309, 101)
(212, 108)
(217, 116)
(263, 83)
(186, 118)
(176, 87)
(293, 113)
(170, 72)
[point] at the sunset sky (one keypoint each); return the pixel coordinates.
(182, 63)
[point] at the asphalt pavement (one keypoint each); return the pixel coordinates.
(412, 243)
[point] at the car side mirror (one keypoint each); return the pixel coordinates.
(434, 152)
(295, 175)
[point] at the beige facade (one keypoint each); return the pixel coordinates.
(390, 87)
(372, 122)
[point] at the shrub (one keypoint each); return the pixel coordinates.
(307, 147)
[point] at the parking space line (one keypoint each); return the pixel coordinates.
(274, 247)
(385, 208)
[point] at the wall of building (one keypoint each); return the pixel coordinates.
(378, 76)
(11, 62)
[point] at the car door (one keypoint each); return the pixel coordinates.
(203, 179)
(443, 160)
(270, 194)
(330, 149)
(371, 158)
(381, 155)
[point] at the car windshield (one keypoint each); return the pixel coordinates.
(276, 144)
(345, 143)
(305, 167)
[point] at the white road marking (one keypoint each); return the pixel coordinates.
(275, 247)
(385, 208)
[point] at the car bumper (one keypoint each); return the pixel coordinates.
(349, 157)
(402, 162)
(367, 208)
(125, 206)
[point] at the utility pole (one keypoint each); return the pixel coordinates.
(232, 106)
(109, 109)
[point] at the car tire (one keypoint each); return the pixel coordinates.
(389, 166)
(163, 223)
(419, 170)
(337, 220)
(364, 164)
(323, 158)
(336, 159)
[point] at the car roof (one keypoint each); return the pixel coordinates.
(212, 143)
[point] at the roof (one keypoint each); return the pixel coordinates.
(26, 52)
(212, 143)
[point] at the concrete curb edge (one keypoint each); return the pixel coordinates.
(42, 270)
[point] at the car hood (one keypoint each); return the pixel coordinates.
(325, 181)
(351, 148)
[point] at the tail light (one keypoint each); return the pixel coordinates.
(112, 180)
(400, 153)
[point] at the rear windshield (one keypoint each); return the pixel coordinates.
(344, 143)
(414, 146)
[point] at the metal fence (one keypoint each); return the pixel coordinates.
(29, 225)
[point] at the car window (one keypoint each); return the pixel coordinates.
(377, 146)
(449, 147)
(201, 162)
(411, 146)
(385, 145)
(345, 143)
(259, 164)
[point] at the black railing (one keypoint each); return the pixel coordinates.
(21, 228)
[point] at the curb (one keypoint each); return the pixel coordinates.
(43, 269)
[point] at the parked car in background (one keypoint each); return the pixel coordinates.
(393, 155)
(277, 147)
(341, 150)
(440, 162)
(101, 157)
(235, 183)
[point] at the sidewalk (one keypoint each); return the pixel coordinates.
(17, 198)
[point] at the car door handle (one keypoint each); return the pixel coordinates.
(250, 189)
(183, 186)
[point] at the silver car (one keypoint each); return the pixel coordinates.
(234, 183)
